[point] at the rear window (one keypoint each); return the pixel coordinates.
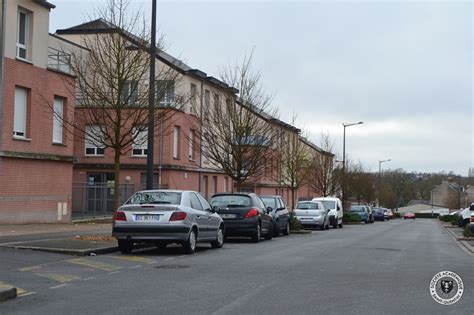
(156, 197)
(357, 209)
(230, 201)
(269, 202)
(328, 204)
(307, 205)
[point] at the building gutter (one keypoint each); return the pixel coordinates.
(200, 137)
(2, 58)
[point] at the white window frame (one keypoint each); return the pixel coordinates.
(191, 145)
(130, 93)
(58, 118)
(91, 143)
(140, 142)
(193, 95)
(27, 33)
(176, 131)
(20, 112)
(165, 89)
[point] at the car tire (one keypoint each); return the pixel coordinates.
(334, 226)
(340, 225)
(125, 246)
(257, 235)
(219, 242)
(404, 218)
(322, 227)
(286, 231)
(190, 245)
(276, 230)
(269, 235)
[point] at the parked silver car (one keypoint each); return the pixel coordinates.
(312, 214)
(167, 216)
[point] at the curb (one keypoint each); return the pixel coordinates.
(352, 223)
(300, 232)
(8, 294)
(74, 252)
(462, 244)
(107, 219)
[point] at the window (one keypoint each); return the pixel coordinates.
(20, 112)
(193, 94)
(140, 142)
(22, 35)
(225, 184)
(207, 101)
(191, 144)
(176, 142)
(130, 92)
(93, 140)
(214, 184)
(165, 92)
(58, 117)
(216, 100)
(195, 203)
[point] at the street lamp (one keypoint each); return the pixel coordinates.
(380, 177)
(344, 160)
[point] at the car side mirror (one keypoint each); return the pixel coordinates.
(269, 209)
(471, 208)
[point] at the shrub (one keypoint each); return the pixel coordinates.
(426, 215)
(467, 231)
(454, 220)
(294, 222)
(350, 217)
(398, 215)
(445, 218)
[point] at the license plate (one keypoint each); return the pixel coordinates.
(228, 216)
(147, 217)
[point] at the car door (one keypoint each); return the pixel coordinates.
(214, 219)
(264, 216)
(202, 217)
(283, 214)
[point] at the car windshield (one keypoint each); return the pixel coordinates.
(230, 201)
(357, 209)
(307, 205)
(157, 197)
(269, 202)
(329, 204)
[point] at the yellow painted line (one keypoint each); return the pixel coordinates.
(32, 268)
(61, 278)
(5, 286)
(135, 259)
(93, 264)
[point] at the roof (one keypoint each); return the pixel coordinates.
(45, 4)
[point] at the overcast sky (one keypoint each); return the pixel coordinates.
(404, 68)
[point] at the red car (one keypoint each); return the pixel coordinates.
(409, 215)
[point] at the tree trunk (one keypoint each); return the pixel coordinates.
(238, 185)
(293, 197)
(116, 180)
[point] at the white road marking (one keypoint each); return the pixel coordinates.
(59, 286)
(135, 267)
(90, 278)
(171, 258)
(26, 294)
(113, 272)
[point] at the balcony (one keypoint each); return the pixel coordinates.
(59, 60)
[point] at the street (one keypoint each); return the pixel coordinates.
(381, 268)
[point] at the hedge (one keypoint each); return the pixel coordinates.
(350, 217)
(426, 215)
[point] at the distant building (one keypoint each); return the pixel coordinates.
(449, 195)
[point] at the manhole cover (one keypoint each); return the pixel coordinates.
(171, 267)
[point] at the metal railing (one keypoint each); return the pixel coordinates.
(59, 60)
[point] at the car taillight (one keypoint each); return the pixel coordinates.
(178, 216)
(251, 213)
(120, 216)
(472, 219)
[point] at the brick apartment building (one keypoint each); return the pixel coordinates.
(35, 156)
(45, 176)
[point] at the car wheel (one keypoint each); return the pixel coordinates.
(340, 225)
(125, 246)
(286, 231)
(219, 242)
(334, 226)
(257, 235)
(269, 235)
(276, 229)
(190, 245)
(322, 227)
(404, 218)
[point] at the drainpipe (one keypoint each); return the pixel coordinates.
(200, 136)
(2, 57)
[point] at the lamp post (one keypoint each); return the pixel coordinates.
(380, 178)
(344, 160)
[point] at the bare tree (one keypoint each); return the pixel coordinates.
(294, 157)
(237, 132)
(112, 94)
(322, 177)
(360, 184)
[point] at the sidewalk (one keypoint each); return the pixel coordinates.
(457, 233)
(73, 239)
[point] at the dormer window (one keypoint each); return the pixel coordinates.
(22, 36)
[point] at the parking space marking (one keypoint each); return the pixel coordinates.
(59, 286)
(135, 259)
(135, 267)
(171, 258)
(89, 278)
(31, 268)
(26, 294)
(93, 264)
(61, 278)
(113, 272)
(6, 286)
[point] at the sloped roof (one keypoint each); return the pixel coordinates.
(45, 4)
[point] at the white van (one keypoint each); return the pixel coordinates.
(335, 213)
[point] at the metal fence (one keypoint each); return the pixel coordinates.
(97, 199)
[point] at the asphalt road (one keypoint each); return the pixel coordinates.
(381, 268)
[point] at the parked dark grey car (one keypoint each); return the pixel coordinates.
(244, 214)
(278, 210)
